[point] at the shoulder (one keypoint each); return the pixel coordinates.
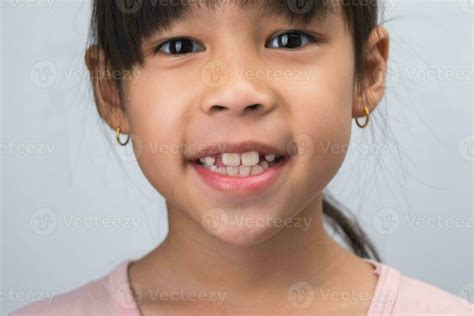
(398, 294)
(416, 295)
(104, 296)
(91, 298)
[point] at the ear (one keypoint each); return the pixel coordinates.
(106, 92)
(374, 72)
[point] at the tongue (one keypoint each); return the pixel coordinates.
(219, 162)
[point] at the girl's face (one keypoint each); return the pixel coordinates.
(243, 78)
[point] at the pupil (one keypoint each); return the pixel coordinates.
(179, 45)
(293, 39)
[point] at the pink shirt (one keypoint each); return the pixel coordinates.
(395, 294)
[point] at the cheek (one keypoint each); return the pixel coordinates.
(155, 115)
(321, 116)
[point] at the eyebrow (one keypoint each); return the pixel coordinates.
(266, 9)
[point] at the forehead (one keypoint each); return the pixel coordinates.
(288, 11)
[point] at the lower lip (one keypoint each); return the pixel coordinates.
(241, 184)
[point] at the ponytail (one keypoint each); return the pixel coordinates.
(348, 228)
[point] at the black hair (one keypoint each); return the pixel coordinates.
(118, 28)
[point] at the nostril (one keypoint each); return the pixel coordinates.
(221, 108)
(253, 107)
(218, 108)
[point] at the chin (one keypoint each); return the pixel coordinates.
(241, 229)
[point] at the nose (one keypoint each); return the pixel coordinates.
(239, 93)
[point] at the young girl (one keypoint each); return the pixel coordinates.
(233, 109)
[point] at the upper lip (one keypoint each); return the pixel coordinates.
(242, 147)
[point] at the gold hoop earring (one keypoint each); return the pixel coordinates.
(367, 115)
(117, 136)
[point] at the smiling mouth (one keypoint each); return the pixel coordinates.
(239, 165)
(239, 169)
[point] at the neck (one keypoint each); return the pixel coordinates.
(204, 261)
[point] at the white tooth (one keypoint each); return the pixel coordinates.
(244, 171)
(250, 158)
(264, 165)
(214, 168)
(232, 160)
(233, 171)
(256, 170)
(221, 170)
(208, 160)
(270, 157)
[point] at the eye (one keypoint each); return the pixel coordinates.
(178, 46)
(292, 39)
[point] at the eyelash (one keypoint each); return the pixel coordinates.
(310, 39)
